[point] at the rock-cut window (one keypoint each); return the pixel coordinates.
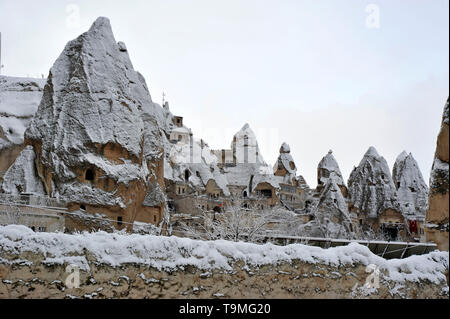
(89, 176)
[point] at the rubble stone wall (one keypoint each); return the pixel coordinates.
(285, 280)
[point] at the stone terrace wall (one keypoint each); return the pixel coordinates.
(295, 280)
(33, 265)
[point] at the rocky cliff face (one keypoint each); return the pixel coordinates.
(437, 227)
(371, 187)
(95, 134)
(19, 100)
(412, 192)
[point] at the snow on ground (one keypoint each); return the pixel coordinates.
(170, 253)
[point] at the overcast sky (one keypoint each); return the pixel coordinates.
(317, 74)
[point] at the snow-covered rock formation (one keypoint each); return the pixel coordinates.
(326, 167)
(330, 207)
(412, 192)
(249, 166)
(19, 100)
(285, 166)
(329, 168)
(437, 226)
(96, 134)
(245, 147)
(331, 215)
(22, 177)
(371, 187)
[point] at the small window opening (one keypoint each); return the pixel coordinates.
(244, 194)
(398, 184)
(186, 175)
(119, 220)
(154, 219)
(82, 207)
(89, 174)
(360, 222)
(266, 193)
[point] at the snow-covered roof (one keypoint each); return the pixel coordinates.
(183, 130)
(203, 163)
(270, 179)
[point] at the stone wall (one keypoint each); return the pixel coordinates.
(287, 280)
(121, 265)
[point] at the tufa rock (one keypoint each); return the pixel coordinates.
(22, 177)
(437, 227)
(285, 165)
(96, 134)
(19, 100)
(327, 167)
(412, 192)
(371, 187)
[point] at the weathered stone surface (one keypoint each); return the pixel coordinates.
(285, 165)
(286, 280)
(412, 192)
(437, 220)
(21, 177)
(371, 187)
(121, 265)
(326, 167)
(19, 100)
(96, 135)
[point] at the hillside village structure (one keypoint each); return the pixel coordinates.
(94, 141)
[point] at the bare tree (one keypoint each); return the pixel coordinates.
(240, 221)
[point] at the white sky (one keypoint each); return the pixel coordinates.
(310, 73)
